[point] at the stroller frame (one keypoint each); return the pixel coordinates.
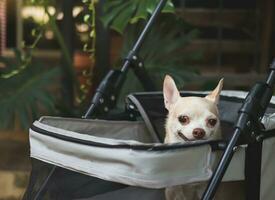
(248, 123)
(107, 91)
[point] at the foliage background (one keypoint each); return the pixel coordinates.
(31, 89)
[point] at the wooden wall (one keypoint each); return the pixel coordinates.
(235, 39)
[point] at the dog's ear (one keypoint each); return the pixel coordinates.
(170, 92)
(214, 96)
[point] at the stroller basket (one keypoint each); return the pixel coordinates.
(101, 159)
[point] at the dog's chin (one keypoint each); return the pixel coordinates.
(186, 139)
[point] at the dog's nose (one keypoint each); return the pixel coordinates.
(198, 133)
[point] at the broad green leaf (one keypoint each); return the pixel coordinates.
(26, 96)
(111, 11)
(141, 12)
(122, 19)
(160, 52)
(131, 10)
(169, 8)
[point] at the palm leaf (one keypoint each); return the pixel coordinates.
(160, 52)
(26, 96)
(119, 13)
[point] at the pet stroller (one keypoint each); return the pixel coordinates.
(101, 159)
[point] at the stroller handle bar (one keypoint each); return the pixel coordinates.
(143, 34)
(270, 79)
(250, 115)
(107, 91)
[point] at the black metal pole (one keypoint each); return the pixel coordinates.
(220, 170)
(141, 38)
(67, 30)
(253, 109)
(118, 77)
(102, 61)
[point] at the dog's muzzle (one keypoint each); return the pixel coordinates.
(183, 136)
(187, 139)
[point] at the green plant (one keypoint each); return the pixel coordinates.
(162, 52)
(119, 13)
(25, 91)
(25, 95)
(162, 49)
(25, 84)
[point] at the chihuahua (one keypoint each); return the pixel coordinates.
(190, 119)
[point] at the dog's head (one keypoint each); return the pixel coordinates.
(191, 118)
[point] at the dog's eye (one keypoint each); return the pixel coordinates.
(184, 119)
(211, 122)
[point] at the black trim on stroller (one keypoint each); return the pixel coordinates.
(215, 145)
